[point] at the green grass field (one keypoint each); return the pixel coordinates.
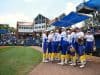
(18, 60)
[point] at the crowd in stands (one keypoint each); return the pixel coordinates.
(12, 40)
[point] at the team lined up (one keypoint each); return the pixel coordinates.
(69, 46)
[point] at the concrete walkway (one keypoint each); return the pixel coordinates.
(92, 68)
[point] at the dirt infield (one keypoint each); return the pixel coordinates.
(3, 47)
(92, 68)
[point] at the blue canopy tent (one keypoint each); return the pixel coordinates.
(60, 24)
(88, 6)
(94, 4)
(70, 19)
(3, 31)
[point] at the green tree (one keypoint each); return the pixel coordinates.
(12, 29)
(4, 26)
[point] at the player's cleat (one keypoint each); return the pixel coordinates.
(45, 61)
(61, 63)
(66, 61)
(73, 64)
(82, 66)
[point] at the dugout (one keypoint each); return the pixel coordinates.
(97, 42)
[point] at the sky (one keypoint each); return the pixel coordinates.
(26, 10)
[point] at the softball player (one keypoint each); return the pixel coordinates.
(89, 43)
(44, 46)
(72, 51)
(64, 46)
(69, 40)
(50, 45)
(81, 52)
(80, 47)
(56, 42)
